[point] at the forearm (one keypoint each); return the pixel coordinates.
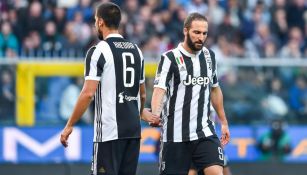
(157, 101)
(217, 103)
(82, 104)
(142, 96)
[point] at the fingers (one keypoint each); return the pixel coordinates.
(64, 140)
(225, 138)
(155, 124)
(64, 136)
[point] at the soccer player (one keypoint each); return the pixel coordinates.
(114, 77)
(185, 85)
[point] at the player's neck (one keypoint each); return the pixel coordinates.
(110, 31)
(187, 48)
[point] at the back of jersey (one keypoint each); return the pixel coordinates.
(120, 70)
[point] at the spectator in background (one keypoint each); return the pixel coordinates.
(275, 106)
(270, 51)
(8, 41)
(32, 45)
(196, 6)
(295, 42)
(215, 13)
(59, 19)
(275, 144)
(262, 37)
(71, 46)
(69, 99)
(297, 94)
(279, 25)
(51, 44)
(7, 96)
(17, 29)
(81, 29)
(84, 6)
(295, 13)
(34, 20)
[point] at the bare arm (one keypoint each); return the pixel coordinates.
(157, 101)
(146, 115)
(142, 96)
(85, 97)
(217, 103)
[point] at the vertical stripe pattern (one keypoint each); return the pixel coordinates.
(187, 79)
(187, 102)
(116, 98)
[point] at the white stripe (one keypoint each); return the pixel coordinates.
(207, 131)
(179, 103)
(109, 130)
(95, 158)
(93, 64)
(163, 74)
(194, 101)
(194, 112)
(160, 155)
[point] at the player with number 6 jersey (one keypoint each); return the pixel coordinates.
(114, 77)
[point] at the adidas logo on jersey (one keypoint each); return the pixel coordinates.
(196, 81)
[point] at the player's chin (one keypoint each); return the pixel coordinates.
(198, 46)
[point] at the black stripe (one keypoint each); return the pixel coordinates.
(100, 65)
(142, 70)
(170, 121)
(215, 79)
(187, 101)
(212, 55)
(160, 64)
(208, 114)
(100, 109)
(213, 60)
(201, 100)
(97, 114)
(88, 60)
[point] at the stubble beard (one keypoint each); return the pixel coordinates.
(192, 45)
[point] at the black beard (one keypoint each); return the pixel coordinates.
(192, 45)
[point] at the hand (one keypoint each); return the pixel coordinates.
(65, 134)
(153, 120)
(225, 134)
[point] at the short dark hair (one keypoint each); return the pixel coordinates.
(110, 13)
(192, 17)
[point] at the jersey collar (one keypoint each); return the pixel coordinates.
(185, 52)
(116, 35)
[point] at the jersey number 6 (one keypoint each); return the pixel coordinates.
(125, 56)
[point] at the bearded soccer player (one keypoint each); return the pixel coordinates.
(185, 86)
(114, 77)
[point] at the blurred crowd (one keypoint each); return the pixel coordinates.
(255, 29)
(237, 28)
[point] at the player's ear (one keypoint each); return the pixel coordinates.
(185, 31)
(101, 22)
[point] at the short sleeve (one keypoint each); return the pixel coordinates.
(94, 63)
(163, 72)
(142, 77)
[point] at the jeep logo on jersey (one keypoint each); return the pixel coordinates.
(196, 81)
(123, 97)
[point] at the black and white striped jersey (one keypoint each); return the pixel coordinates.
(187, 79)
(119, 66)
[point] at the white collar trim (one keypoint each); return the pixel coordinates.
(117, 35)
(185, 52)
